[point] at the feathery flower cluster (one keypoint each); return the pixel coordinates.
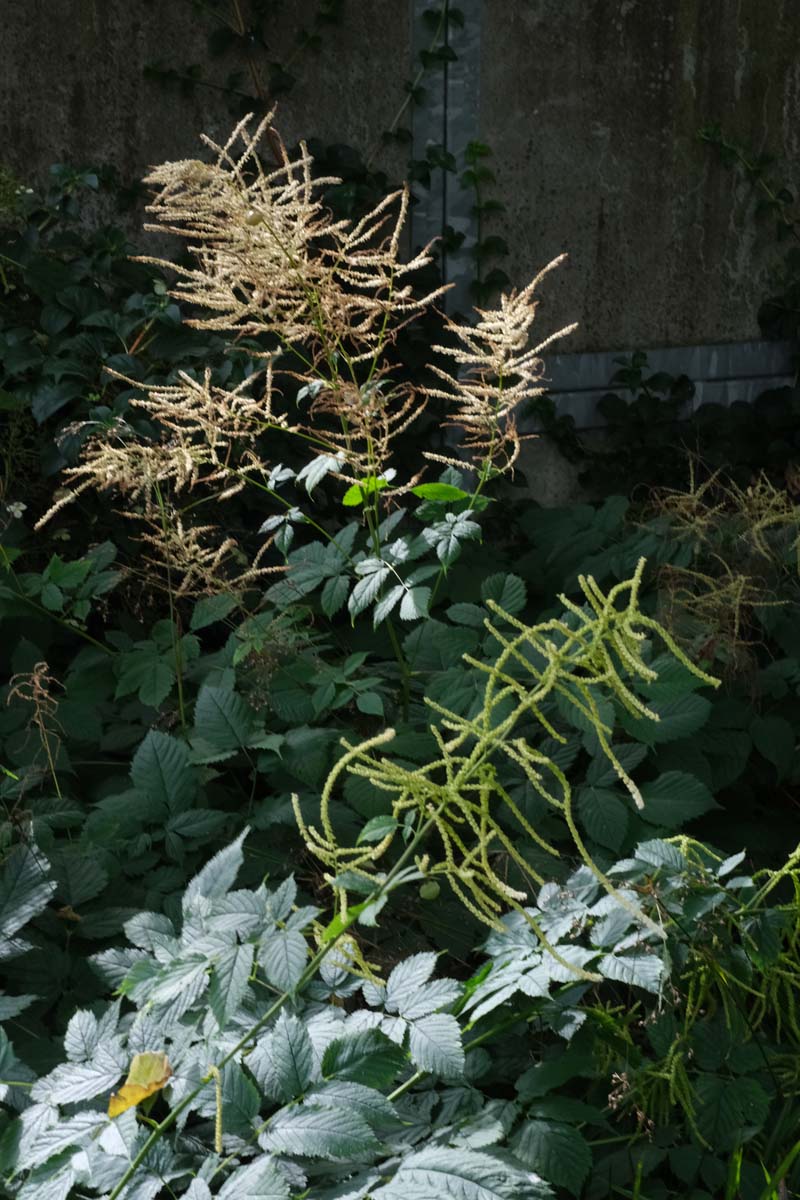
(271, 258)
(501, 371)
(326, 298)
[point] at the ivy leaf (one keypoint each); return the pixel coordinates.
(434, 1043)
(557, 1152)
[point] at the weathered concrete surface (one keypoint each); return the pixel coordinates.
(72, 86)
(591, 109)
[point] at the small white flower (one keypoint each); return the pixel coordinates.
(16, 509)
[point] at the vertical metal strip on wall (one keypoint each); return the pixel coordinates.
(448, 117)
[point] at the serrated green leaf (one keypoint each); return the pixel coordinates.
(557, 1152)
(211, 609)
(377, 829)
(506, 590)
(223, 721)
(368, 1057)
(161, 770)
(467, 614)
(315, 1132)
(604, 815)
(240, 1101)
(674, 798)
(386, 604)
(79, 876)
(678, 718)
(357, 493)
(25, 889)
(12, 1006)
(440, 493)
(723, 1108)
(774, 739)
(80, 1040)
(70, 1131)
(407, 978)
(334, 594)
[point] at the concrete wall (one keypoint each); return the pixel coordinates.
(72, 87)
(590, 107)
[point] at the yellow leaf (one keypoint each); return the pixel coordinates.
(149, 1073)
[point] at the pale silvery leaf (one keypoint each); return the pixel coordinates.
(292, 1057)
(229, 982)
(217, 876)
(386, 603)
(367, 587)
(283, 955)
(278, 475)
(70, 1131)
(259, 1180)
(407, 978)
(315, 471)
(80, 1040)
(434, 1043)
